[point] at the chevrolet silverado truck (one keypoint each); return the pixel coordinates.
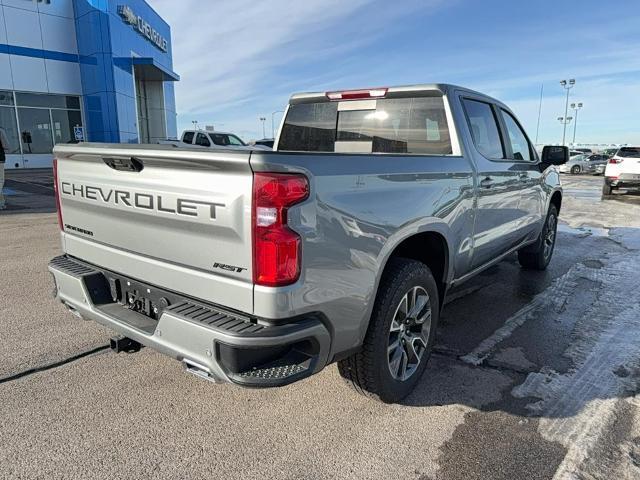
(261, 268)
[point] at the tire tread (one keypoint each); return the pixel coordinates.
(360, 369)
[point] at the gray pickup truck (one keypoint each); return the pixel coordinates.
(261, 268)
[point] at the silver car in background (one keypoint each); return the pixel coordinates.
(578, 164)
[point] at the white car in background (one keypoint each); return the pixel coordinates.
(623, 171)
(207, 139)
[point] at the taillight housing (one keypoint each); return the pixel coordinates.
(57, 193)
(276, 248)
(614, 160)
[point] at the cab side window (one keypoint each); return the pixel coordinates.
(520, 148)
(484, 128)
(203, 140)
(188, 137)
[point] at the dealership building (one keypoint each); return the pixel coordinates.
(82, 70)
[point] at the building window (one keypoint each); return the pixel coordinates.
(35, 130)
(45, 120)
(45, 100)
(63, 123)
(9, 131)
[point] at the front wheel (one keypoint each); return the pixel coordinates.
(400, 336)
(538, 255)
(575, 169)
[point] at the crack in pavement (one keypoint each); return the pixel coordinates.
(51, 366)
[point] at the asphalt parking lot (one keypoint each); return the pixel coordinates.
(535, 376)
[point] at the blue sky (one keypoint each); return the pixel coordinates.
(242, 59)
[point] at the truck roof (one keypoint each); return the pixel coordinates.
(437, 89)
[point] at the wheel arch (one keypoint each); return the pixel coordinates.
(556, 199)
(429, 246)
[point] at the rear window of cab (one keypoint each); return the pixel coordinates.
(415, 125)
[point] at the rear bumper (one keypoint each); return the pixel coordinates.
(211, 341)
(625, 182)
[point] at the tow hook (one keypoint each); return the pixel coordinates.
(124, 344)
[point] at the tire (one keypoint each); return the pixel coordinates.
(576, 169)
(607, 191)
(369, 371)
(538, 255)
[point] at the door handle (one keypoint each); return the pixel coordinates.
(487, 182)
(523, 177)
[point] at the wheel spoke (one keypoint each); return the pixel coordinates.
(395, 326)
(412, 302)
(418, 307)
(396, 361)
(403, 308)
(393, 346)
(402, 374)
(415, 347)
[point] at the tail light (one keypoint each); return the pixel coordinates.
(358, 94)
(57, 193)
(276, 248)
(615, 160)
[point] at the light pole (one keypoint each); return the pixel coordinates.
(273, 128)
(539, 112)
(567, 85)
(564, 121)
(195, 124)
(263, 119)
(575, 107)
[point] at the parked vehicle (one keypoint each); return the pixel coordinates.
(597, 163)
(260, 268)
(583, 150)
(622, 172)
(576, 164)
(610, 152)
(207, 139)
(599, 169)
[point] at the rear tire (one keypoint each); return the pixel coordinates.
(607, 191)
(397, 345)
(538, 255)
(576, 169)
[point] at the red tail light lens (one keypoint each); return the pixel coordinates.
(358, 94)
(57, 193)
(276, 248)
(615, 161)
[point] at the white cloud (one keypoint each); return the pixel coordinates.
(234, 53)
(242, 59)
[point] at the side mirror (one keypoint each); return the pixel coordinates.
(553, 155)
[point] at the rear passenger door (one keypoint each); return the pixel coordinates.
(498, 217)
(187, 137)
(202, 140)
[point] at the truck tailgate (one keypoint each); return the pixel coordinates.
(176, 218)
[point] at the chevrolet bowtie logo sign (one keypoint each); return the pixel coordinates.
(142, 26)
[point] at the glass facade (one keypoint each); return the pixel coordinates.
(103, 65)
(127, 80)
(33, 123)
